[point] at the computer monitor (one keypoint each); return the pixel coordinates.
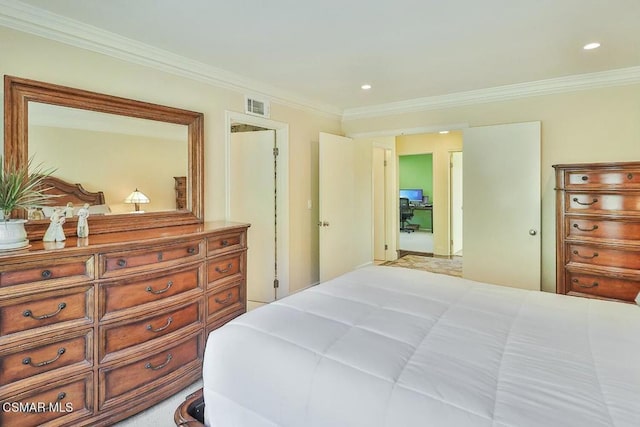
(413, 194)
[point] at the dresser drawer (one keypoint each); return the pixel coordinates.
(224, 301)
(123, 294)
(35, 359)
(602, 229)
(227, 242)
(224, 267)
(66, 269)
(118, 263)
(46, 309)
(602, 203)
(63, 401)
(155, 367)
(605, 178)
(602, 286)
(128, 334)
(603, 256)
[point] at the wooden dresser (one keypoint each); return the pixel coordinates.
(94, 330)
(598, 230)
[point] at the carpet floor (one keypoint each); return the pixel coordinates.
(450, 266)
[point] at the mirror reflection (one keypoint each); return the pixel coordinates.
(113, 154)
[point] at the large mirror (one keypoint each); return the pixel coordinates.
(111, 145)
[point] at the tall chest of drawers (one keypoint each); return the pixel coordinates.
(95, 330)
(598, 230)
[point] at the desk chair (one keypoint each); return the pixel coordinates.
(406, 213)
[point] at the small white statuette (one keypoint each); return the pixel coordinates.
(83, 224)
(68, 211)
(55, 233)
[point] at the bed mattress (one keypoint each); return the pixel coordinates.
(387, 346)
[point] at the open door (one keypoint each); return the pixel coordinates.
(251, 199)
(501, 192)
(345, 205)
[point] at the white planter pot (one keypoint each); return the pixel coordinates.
(12, 234)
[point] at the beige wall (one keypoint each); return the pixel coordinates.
(585, 126)
(440, 145)
(28, 56)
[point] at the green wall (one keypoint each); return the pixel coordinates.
(416, 171)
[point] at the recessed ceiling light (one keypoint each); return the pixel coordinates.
(590, 46)
(365, 87)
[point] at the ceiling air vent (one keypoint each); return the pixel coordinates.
(257, 107)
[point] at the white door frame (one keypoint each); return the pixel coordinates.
(282, 139)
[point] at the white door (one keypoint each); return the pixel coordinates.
(252, 200)
(501, 191)
(456, 203)
(379, 204)
(345, 205)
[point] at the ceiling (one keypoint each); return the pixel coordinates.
(324, 51)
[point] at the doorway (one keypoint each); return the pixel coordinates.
(257, 193)
(415, 179)
(455, 182)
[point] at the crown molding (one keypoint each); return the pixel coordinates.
(26, 18)
(624, 76)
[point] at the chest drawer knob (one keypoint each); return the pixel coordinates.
(162, 328)
(594, 228)
(122, 262)
(155, 368)
(191, 250)
(629, 176)
(160, 291)
(224, 270)
(594, 201)
(46, 274)
(224, 243)
(576, 253)
(28, 361)
(29, 313)
(582, 285)
(585, 178)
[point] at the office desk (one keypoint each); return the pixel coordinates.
(424, 208)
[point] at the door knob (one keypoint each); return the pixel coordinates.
(533, 232)
(323, 224)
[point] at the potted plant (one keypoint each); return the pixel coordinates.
(20, 188)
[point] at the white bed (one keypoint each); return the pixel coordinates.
(387, 346)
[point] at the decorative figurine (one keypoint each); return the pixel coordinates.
(83, 224)
(55, 233)
(68, 211)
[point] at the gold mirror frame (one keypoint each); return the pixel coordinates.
(18, 92)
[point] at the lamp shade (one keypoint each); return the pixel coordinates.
(136, 198)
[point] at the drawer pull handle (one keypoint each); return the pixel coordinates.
(28, 361)
(60, 397)
(224, 301)
(594, 228)
(160, 256)
(191, 250)
(122, 262)
(576, 253)
(585, 178)
(155, 368)
(224, 270)
(629, 176)
(29, 313)
(161, 291)
(575, 199)
(162, 328)
(593, 285)
(224, 243)
(46, 274)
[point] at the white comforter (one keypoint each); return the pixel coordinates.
(386, 346)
